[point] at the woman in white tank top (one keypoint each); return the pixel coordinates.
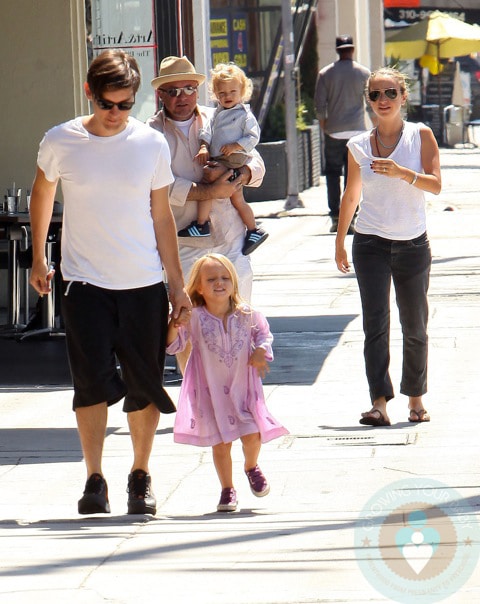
(389, 169)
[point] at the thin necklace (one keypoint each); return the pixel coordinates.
(377, 138)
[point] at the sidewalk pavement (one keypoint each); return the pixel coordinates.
(304, 542)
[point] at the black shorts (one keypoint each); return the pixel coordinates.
(103, 326)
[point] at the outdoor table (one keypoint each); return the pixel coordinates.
(15, 226)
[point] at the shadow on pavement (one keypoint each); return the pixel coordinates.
(23, 446)
(34, 363)
(301, 345)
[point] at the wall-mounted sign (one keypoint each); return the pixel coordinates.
(128, 25)
(401, 3)
(239, 30)
(228, 39)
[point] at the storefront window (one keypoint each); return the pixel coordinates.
(244, 31)
(126, 25)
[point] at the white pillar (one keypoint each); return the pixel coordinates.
(201, 41)
(362, 19)
(292, 200)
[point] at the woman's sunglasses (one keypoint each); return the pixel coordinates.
(108, 105)
(390, 93)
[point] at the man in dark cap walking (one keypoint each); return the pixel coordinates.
(340, 104)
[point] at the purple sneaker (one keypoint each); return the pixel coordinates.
(258, 483)
(228, 501)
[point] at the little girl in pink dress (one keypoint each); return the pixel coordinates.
(221, 398)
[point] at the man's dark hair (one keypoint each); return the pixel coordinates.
(113, 70)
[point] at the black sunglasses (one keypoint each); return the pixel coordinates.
(107, 105)
(390, 93)
(173, 92)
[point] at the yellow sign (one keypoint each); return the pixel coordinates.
(218, 27)
(240, 60)
(220, 43)
(220, 57)
(239, 25)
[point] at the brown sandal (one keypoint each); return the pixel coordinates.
(375, 421)
(421, 416)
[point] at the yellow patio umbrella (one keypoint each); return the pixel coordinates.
(439, 35)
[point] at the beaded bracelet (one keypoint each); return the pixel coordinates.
(415, 176)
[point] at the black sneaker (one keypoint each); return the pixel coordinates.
(195, 230)
(253, 239)
(141, 499)
(95, 496)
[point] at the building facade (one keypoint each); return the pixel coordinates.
(46, 44)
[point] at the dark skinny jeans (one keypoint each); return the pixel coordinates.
(377, 263)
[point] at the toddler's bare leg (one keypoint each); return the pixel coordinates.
(203, 211)
(245, 211)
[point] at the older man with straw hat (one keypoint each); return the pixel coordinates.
(180, 120)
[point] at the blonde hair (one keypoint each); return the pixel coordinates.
(226, 72)
(195, 275)
(389, 72)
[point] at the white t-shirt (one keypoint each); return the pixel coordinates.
(108, 237)
(390, 207)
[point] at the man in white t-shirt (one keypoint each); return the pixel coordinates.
(118, 235)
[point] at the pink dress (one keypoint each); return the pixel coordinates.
(221, 398)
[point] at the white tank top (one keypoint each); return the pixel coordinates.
(390, 207)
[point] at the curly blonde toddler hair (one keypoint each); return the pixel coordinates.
(226, 72)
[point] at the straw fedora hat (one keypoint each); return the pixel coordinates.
(174, 69)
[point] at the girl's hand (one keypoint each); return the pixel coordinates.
(179, 300)
(182, 319)
(257, 360)
(175, 322)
